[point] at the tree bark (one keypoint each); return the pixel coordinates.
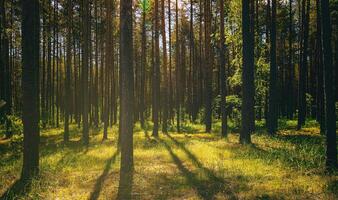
(126, 86)
(222, 72)
(273, 106)
(156, 74)
(30, 87)
(165, 72)
(208, 67)
(247, 74)
(85, 66)
(68, 94)
(331, 142)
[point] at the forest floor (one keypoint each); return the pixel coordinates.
(190, 165)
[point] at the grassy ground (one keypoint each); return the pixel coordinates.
(193, 165)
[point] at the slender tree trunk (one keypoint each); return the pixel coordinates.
(30, 87)
(291, 65)
(304, 65)
(165, 72)
(68, 70)
(273, 106)
(156, 74)
(177, 52)
(208, 67)
(171, 91)
(85, 66)
(96, 81)
(108, 64)
(320, 71)
(143, 67)
(222, 73)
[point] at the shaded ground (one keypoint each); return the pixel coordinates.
(174, 166)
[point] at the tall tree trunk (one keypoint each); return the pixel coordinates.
(320, 71)
(304, 65)
(222, 73)
(126, 96)
(2, 65)
(85, 66)
(165, 72)
(291, 65)
(108, 64)
(96, 81)
(30, 87)
(208, 67)
(177, 64)
(273, 106)
(156, 74)
(331, 142)
(247, 74)
(171, 90)
(68, 94)
(143, 67)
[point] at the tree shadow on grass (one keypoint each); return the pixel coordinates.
(99, 182)
(302, 139)
(19, 189)
(193, 158)
(74, 146)
(206, 188)
(289, 157)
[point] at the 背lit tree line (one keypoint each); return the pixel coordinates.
(162, 63)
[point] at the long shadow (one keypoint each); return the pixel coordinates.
(99, 182)
(273, 154)
(19, 189)
(302, 139)
(194, 159)
(74, 146)
(207, 188)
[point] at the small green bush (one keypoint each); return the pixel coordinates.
(12, 125)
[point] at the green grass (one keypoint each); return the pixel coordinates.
(191, 165)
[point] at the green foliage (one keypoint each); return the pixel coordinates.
(234, 109)
(144, 5)
(12, 124)
(309, 102)
(261, 82)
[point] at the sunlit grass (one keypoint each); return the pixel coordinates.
(188, 165)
